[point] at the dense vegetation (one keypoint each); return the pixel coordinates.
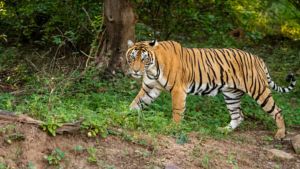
(43, 73)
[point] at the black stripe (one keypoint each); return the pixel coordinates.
(234, 72)
(265, 101)
(238, 101)
(149, 87)
(203, 64)
(244, 65)
(193, 87)
(173, 47)
(167, 78)
(259, 94)
(200, 73)
(217, 56)
(207, 87)
(233, 113)
(254, 89)
(173, 83)
(226, 56)
(163, 45)
(234, 57)
(252, 71)
(235, 109)
(179, 108)
(272, 109)
(213, 88)
(236, 118)
(234, 84)
(147, 93)
(275, 117)
(155, 77)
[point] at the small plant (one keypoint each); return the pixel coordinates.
(92, 158)
(78, 149)
(233, 161)
(182, 138)
(205, 162)
(30, 165)
(267, 138)
(56, 156)
(3, 166)
(95, 126)
(50, 126)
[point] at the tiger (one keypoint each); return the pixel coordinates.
(168, 66)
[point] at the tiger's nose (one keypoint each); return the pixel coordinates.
(135, 71)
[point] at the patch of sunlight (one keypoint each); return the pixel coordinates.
(2, 9)
(291, 30)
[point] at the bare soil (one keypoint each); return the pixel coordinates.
(245, 150)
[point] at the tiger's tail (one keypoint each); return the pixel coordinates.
(289, 78)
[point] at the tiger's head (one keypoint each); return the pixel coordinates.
(140, 57)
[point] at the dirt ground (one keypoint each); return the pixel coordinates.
(25, 146)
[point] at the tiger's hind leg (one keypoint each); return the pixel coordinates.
(233, 102)
(266, 101)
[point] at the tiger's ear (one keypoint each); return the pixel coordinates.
(153, 43)
(130, 43)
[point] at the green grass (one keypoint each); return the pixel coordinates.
(58, 98)
(110, 107)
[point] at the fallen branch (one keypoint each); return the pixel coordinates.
(7, 116)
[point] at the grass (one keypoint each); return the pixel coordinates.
(57, 98)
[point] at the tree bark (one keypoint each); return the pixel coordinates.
(118, 28)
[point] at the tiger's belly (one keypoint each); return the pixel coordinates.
(205, 89)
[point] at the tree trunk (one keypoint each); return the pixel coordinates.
(118, 28)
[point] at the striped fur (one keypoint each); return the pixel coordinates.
(168, 66)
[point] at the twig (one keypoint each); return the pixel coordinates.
(89, 18)
(32, 64)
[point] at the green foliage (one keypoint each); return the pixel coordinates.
(212, 21)
(42, 22)
(267, 17)
(56, 156)
(92, 158)
(3, 166)
(233, 161)
(182, 138)
(206, 161)
(95, 125)
(51, 125)
(31, 165)
(78, 149)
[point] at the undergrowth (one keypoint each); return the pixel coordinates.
(103, 104)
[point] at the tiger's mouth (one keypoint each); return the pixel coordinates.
(136, 75)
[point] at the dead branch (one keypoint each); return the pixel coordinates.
(12, 117)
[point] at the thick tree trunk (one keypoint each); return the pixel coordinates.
(118, 28)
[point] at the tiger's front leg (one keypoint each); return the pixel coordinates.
(145, 97)
(178, 104)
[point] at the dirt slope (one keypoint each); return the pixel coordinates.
(244, 150)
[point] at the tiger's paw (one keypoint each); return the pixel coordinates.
(134, 106)
(225, 130)
(280, 134)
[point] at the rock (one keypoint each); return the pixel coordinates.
(275, 154)
(296, 143)
(171, 166)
